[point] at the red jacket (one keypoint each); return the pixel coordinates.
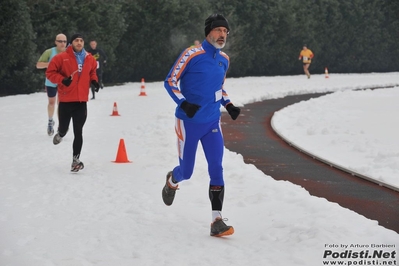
(64, 65)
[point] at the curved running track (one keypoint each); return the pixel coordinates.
(252, 136)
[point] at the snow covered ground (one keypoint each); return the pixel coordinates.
(113, 214)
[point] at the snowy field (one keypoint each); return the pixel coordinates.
(113, 214)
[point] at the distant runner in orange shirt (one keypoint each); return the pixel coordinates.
(306, 56)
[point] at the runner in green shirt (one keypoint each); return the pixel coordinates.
(51, 88)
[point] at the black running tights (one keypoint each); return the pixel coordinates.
(78, 112)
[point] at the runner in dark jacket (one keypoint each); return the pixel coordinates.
(101, 59)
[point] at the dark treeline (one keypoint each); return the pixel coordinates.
(143, 38)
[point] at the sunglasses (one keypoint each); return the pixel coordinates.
(61, 41)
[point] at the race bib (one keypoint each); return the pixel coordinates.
(218, 95)
(305, 58)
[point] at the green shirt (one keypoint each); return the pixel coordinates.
(46, 57)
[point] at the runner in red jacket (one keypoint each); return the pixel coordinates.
(65, 65)
(73, 71)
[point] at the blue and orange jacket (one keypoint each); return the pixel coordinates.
(201, 71)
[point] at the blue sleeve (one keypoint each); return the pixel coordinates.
(174, 75)
(225, 97)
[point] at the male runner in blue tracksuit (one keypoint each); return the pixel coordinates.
(201, 71)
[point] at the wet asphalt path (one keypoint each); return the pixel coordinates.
(252, 136)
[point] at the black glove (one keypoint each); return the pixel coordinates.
(189, 108)
(233, 111)
(67, 81)
(96, 85)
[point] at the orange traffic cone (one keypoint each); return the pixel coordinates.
(121, 156)
(326, 72)
(142, 90)
(115, 110)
